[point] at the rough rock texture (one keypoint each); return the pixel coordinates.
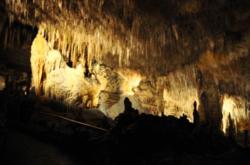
(155, 37)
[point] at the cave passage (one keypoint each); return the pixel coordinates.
(125, 81)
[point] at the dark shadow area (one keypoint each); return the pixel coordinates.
(29, 136)
(159, 38)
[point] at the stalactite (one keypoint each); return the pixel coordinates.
(96, 33)
(166, 48)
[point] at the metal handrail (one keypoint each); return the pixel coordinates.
(76, 122)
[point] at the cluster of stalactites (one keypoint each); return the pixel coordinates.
(75, 33)
(52, 78)
(77, 28)
(15, 36)
(81, 45)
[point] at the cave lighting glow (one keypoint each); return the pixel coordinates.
(173, 94)
(131, 81)
(180, 93)
(2, 83)
(155, 66)
(237, 108)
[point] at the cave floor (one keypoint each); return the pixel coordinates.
(21, 148)
(40, 139)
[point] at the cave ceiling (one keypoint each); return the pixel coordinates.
(152, 36)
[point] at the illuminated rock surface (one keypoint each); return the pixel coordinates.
(177, 53)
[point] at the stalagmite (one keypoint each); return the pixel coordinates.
(240, 115)
(39, 51)
(126, 39)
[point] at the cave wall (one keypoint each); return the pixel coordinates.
(154, 37)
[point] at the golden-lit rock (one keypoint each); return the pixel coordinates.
(39, 51)
(185, 51)
(237, 108)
